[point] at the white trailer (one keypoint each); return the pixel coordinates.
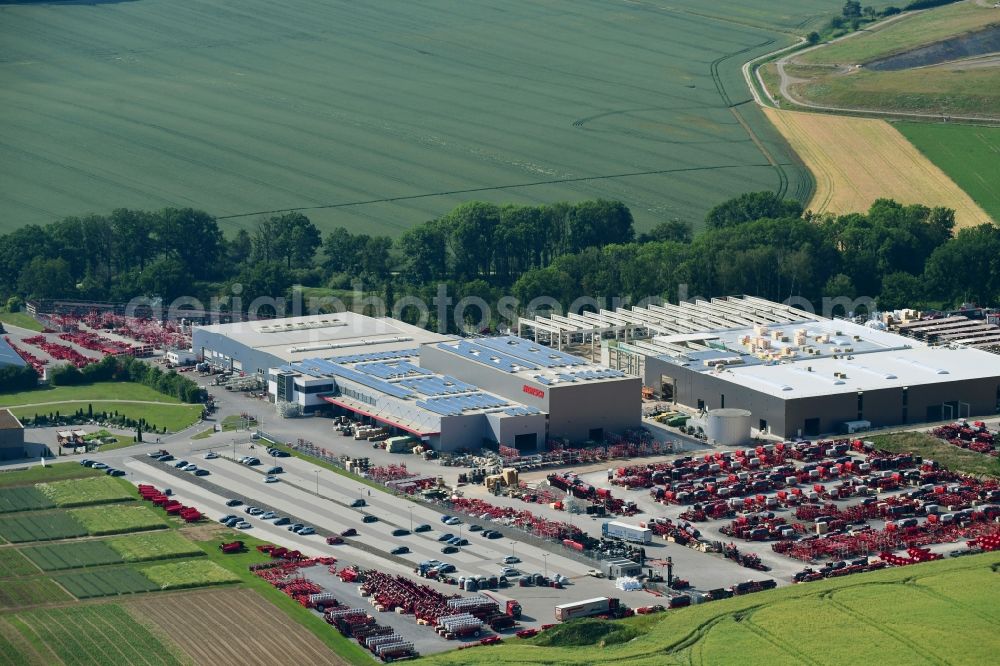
(627, 532)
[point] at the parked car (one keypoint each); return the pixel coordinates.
(453, 521)
(494, 535)
(86, 462)
(243, 525)
(431, 564)
(211, 455)
(358, 502)
(179, 464)
(282, 521)
(233, 502)
(595, 573)
(233, 522)
(99, 465)
(369, 519)
(252, 510)
(399, 532)
(447, 568)
(511, 559)
(445, 519)
(448, 550)
(295, 527)
(458, 541)
(226, 518)
(268, 515)
(334, 540)
(275, 470)
(448, 536)
(422, 528)
(475, 528)
(118, 472)
(201, 472)
(270, 479)
(252, 462)
(399, 550)
(349, 532)
(305, 531)
(165, 458)
(190, 468)
(509, 572)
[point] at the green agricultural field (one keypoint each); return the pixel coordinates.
(906, 33)
(23, 499)
(116, 519)
(13, 564)
(101, 391)
(103, 634)
(190, 573)
(378, 116)
(969, 155)
(30, 592)
(105, 582)
(36, 526)
(51, 472)
(80, 492)
(72, 555)
(153, 546)
(21, 320)
(940, 612)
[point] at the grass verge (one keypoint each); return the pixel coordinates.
(21, 320)
(326, 465)
(98, 391)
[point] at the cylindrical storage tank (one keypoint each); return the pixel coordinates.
(728, 427)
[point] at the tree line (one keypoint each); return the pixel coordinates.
(758, 243)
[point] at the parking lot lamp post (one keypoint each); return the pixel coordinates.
(545, 557)
(317, 481)
(411, 518)
(234, 448)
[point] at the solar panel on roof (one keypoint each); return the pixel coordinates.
(530, 351)
(487, 356)
(361, 378)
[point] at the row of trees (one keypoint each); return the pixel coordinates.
(757, 244)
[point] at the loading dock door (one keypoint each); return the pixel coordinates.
(526, 442)
(667, 388)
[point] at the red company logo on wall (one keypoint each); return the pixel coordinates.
(531, 390)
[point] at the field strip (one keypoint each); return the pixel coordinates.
(864, 619)
(858, 160)
(61, 402)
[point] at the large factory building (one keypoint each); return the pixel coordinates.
(451, 393)
(798, 374)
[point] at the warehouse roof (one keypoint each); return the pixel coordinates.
(297, 338)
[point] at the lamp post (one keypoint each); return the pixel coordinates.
(411, 519)
(317, 481)
(234, 448)
(545, 557)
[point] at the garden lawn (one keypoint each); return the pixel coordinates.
(72, 555)
(153, 546)
(80, 492)
(954, 458)
(13, 563)
(99, 634)
(53, 472)
(117, 519)
(190, 573)
(173, 417)
(36, 526)
(105, 582)
(98, 391)
(23, 499)
(29, 592)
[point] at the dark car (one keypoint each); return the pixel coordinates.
(399, 550)
(349, 532)
(358, 502)
(282, 521)
(399, 531)
(422, 528)
(117, 472)
(448, 550)
(369, 519)
(233, 502)
(165, 458)
(446, 537)
(202, 472)
(295, 527)
(494, 535)
(334, 540)
(475, 528)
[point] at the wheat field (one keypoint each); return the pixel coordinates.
(858, 160)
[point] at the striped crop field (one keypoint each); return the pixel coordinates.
(858, 160)
(380, 115)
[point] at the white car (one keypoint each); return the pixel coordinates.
(191, 468)
(211, 455)
(595, 573)
(509, 572)
(453, 521)
(511, 559)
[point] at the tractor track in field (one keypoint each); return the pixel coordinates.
(493, 188)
